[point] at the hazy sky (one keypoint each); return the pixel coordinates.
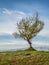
(11, 11)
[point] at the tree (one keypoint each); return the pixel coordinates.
(28, 28)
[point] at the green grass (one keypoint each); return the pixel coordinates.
(24, 57)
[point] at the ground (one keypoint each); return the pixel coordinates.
(24, 57)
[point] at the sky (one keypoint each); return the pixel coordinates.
(12, 11)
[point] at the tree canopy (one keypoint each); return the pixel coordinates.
(28, 28)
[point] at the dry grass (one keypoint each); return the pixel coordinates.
(25, 57)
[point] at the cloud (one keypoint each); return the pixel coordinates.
(45, 31)
(10, 12)
(6, 11)
(8, 19)
(40, 43)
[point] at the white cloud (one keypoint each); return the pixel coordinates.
(6, 11)
(45, 31)
(8, 19)
(10, 12)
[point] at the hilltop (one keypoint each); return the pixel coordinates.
(24, 57)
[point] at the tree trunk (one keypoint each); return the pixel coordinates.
(30, 45)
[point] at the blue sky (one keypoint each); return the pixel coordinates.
(11, 11)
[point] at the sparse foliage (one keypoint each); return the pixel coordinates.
(29, 27)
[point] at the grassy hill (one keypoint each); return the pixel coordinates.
(24, 57)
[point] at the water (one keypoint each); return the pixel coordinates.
(10, 43)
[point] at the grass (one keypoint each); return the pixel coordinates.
(24, 57)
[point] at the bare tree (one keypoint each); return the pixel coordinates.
(28, 28)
